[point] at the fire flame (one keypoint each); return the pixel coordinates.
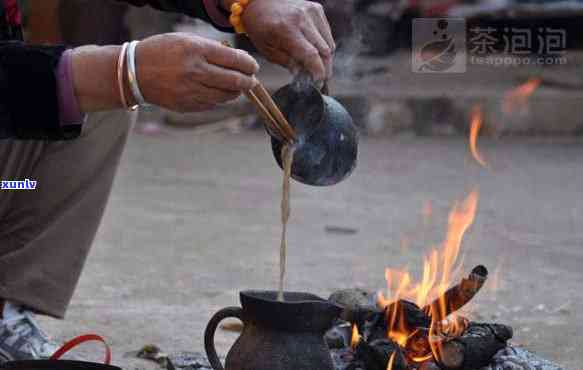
(477, 119)
(517, 98)
(391, 364)
(355, 337)
(440, 267)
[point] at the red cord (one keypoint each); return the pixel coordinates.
(80, 340)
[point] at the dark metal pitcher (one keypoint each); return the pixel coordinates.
(327, 147)
(277, 335)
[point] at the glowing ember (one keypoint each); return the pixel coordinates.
(440, 268)
(355, 337)
(476, 122)
(517, 99)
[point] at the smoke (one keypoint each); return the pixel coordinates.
(349, 46)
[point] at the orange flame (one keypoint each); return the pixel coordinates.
(440, 267)
(477, 119)
(391, 364)
(517, 98)
(355, 337)
(422, 358)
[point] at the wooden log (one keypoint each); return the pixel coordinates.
(418, 344)
(413, 316)
(457, 296)
(429, 365)
(475, 348)
(374, 323)
(342, 358)
(339, 335)
(377, 354)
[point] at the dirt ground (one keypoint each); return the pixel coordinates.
(193, 219)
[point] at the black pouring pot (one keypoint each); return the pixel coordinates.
(326, 150)
(55, 365)
(276, 335)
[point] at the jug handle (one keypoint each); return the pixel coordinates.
(211, 328)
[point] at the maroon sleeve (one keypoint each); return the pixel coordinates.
(29, 107)
(193, 8)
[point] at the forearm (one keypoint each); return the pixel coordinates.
(95, 78)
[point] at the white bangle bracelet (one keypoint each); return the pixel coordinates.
(132, 74)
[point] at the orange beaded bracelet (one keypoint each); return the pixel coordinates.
(237, 10)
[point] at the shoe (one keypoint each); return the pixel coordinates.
(21, 338)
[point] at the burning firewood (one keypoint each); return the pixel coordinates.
(475, 348)
(429, 365)
(401, 335)
(376, 356)
(457, 296)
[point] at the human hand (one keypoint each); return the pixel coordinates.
(177, 71)
(187, 73)
(292, 33)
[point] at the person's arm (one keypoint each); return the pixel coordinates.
(208, 10)
(292, 33)
(179, 71)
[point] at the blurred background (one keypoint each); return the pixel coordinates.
(194, 217)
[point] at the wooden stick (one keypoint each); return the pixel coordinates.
(270, 122)
(457, 296)
(266, 99)
(262, 100)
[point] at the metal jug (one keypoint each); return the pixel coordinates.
(326, 150)
(286, 335)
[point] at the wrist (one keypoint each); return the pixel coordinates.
(95, 77)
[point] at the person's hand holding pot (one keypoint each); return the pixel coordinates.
(292, 33)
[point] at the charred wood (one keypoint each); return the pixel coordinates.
(339, 336)
(418, 344)
(408, 314)
(376, 356)
(429, 365)
(475, 348)
(342, 358)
